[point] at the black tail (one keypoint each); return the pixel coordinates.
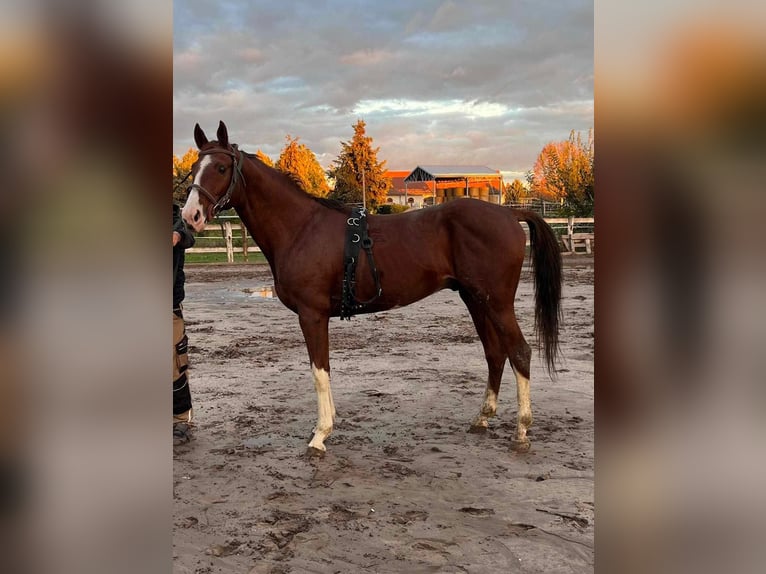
(546, 260)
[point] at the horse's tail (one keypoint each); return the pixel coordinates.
(546, 260)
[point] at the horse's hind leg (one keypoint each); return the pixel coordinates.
(520, 356)
(495, 354)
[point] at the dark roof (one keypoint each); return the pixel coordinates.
(431, 172)
(398, 185)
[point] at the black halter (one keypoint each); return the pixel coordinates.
(216, 205)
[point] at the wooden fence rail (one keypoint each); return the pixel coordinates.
(227, 229)
(565, 227)
(571, 239)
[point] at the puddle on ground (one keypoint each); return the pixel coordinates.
(266, 292)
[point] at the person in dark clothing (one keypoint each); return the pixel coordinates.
(182, 403)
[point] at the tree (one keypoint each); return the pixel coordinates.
(356, 165)
(300, 162)
(181, 168)
(264, 158)
(564, 172)
(515, 191)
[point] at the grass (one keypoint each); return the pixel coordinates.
(202, 258)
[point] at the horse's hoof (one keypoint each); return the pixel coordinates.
(520, 445)
(312, 452)
(478, 429)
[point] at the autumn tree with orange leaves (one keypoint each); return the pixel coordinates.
(264, 158)
(181, 168)
(515, 191)
(300, 162)
(564, 172)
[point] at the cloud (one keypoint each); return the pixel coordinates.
(365, 57)
(422, 76)
(405, 108)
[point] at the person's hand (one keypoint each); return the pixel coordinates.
(176, 238)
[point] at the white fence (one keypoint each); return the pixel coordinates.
(227, 228)
(569, 229)
(573, 239)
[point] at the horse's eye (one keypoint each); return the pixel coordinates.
(221, 168)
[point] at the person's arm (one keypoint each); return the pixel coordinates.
(184, 237)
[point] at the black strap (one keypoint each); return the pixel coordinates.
(356, 238)
(180, 183)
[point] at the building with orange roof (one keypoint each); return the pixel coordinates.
(434, 184)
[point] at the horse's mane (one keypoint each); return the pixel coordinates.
(292, 181)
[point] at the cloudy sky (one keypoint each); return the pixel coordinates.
(436, 81)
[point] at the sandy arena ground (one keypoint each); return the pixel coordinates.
(404, 488)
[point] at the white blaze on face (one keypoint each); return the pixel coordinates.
(325, 408)
(193, 213)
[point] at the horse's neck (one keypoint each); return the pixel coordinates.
(272, 211)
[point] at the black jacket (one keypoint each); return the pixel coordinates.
(187, 240)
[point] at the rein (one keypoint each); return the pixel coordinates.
(216, 205)
(180, 183)
(356, 238)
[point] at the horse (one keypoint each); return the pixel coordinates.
(468, 245)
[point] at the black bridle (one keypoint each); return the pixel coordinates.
(216, 205)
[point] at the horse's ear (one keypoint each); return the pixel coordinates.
(199, 136)
(223, 135)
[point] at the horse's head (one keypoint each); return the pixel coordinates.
(217, 172)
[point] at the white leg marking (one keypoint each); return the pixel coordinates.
(332, 404)
(325, 408)
(193, 204)
(524, 416)
(488, 408)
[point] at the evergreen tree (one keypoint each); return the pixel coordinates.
(357, 167)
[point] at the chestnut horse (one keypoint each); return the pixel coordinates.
(469, 246)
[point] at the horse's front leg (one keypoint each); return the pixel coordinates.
(315, 332)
